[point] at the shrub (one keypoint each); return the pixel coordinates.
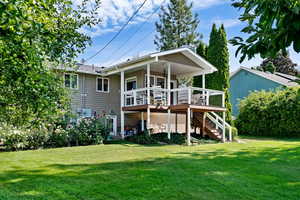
(234, 132)
(58, 138)
(274, 114)
(36, 138)
(141, 138)
(14, 140)
(86, 132)
(178, 138)
(161, 137)
(145, 138)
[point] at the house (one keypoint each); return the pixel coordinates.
(244, 81)
(147, 92)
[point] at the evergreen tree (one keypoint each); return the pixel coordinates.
(282, 63)
(218, 55)
(177, 26)
(201, 51)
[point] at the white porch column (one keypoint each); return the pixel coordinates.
(224, 118)
(148, 98)
(148, 84)
(203, 87)
(122, 104)
(142, 121)
(169, 100)
(148, 119)
(188, 123)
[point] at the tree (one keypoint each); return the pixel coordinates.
(282, 64)
(35, 37)
(218, 55)
(269, 68)
(201, 51)
(177, 26)
(272, 25)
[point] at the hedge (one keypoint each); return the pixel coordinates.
(272, 114)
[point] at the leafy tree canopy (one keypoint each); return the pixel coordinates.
(282, 64)
(177, 26)
(272, 25)
(34, 35)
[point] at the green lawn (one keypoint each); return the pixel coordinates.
(257, 169)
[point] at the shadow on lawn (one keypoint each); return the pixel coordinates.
(272, 173)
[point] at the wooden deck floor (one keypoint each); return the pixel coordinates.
(174, 108)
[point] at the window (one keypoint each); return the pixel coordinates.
(160, 81)
(102, 85)
(71, 81)
(130, 84)
(156, 81)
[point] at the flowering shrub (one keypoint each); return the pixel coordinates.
(86, 132)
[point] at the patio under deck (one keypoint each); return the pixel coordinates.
(179, 108)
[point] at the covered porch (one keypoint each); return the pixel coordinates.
(158, 83)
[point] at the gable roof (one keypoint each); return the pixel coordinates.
(198, 60)
(283, 79)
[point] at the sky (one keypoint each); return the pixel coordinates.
(137, 39)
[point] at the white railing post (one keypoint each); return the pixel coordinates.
(148, 84)
(207, 98)
(188, 126)
(189, 95)
(230, 134)
(203, 81)
(142, 121)
(134, 98)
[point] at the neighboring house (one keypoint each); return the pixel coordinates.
(245, 80)
(147, 92)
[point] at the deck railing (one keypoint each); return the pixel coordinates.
(184, 95)
(196, 96)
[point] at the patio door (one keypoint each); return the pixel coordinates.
(111, 124)
(130, 84)
(173, 94)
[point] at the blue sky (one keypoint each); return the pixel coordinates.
(114, 13)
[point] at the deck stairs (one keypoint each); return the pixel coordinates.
(213, 125)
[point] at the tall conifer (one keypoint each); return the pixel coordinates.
(177, 26)
(218, 55)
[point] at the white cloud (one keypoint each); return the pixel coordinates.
(115, 13)
(202, 4)
(228, 23)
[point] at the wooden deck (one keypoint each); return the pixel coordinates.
(174, 108)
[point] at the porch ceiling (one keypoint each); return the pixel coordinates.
(161, 67)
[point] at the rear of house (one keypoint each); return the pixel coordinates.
(149, 92)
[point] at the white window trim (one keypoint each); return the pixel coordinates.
(108, 86)
(133, 78)
(155, 80)
(77, 86)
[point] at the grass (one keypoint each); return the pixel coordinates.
(256, 169)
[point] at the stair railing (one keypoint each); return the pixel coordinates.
(218, 121)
